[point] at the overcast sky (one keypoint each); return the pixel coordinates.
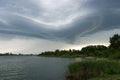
(33, 26)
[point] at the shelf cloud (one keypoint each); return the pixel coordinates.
(65, 23)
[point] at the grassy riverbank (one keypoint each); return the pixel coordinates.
(93, 70)
(109, 77)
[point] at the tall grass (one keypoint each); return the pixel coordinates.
(88, 69)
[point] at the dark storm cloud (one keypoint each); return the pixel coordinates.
(20, 18)
(109, 13)
(19, 26)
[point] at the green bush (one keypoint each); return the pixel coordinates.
(88, 69)
(115, 42)
(115, 55)
(95, 51)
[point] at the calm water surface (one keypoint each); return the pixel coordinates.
(33, 68)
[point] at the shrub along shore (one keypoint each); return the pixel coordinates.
(93, 70)
(98, 69)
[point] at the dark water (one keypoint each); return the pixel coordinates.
(33, 68)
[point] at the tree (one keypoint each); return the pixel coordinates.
(115, 41)
(97, 50)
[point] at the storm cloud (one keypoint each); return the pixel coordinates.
(64, 22)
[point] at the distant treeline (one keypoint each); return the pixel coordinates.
(11, 54)
(61, 53)
(112, 51)
(7, 54)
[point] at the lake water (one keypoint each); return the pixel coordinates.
(33, 68)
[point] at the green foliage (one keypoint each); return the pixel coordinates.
(97, 51)
(62, 53)
(115, 55)
(115, 42)
(109, 77)
(88, 69)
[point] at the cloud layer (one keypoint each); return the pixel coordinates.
(62, 22)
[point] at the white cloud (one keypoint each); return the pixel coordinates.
(59, 24)
(30, 45)
(60, 13)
